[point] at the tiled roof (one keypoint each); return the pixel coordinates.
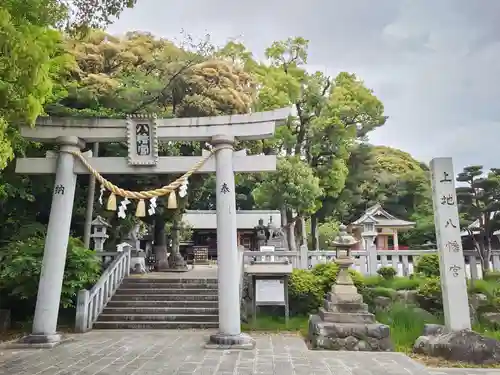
(381, 217)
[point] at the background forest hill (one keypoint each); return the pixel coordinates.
(327, 172)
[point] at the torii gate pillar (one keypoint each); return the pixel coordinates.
(56, 244)
(227, 249)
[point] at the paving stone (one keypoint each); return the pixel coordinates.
(158, 352)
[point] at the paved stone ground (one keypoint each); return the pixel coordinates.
(198, 272)
(183, 353)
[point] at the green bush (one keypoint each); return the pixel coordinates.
(404, 283)
(429, 295)
(428, 265)
(372, 281)
(21, 263)
(357, 279)
(491, 289)
(387, 273)
(306, 292)
(492, 276)
(369, 295)
(396, 283)
(327, 274)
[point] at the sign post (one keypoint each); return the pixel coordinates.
(269, 286)
(451, 257)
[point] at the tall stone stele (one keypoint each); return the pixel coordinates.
(344, 323)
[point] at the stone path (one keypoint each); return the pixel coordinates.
(183, 353)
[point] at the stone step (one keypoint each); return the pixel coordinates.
(145, 280)
(160, 310)
(167, 291)
(154, 325)
(169, 304)
(158, 317)
(153, 285)
(164, 297)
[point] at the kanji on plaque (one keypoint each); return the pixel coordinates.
(59, 189)
(455, 270)
(446, 177)
(447, 200)
(452, 246)
(224, 189)
(449, 223)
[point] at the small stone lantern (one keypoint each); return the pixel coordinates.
(100, 226)
(343, 244)
(344, 311)
(369, 232)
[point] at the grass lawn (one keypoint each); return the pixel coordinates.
(266, 323)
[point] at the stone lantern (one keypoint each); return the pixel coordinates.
(343, 244)
(344, 311)
(99, 226)
(369, 234)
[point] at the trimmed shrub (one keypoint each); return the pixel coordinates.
(369, 295)
(306, 292)
(327, 274)
(428, 265)
(388, 273)
(429, 295)
(358, 280)
(404, 283)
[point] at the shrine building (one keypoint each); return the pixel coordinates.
(204, 226)
(386, 225)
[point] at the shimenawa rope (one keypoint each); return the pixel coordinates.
(141, 194)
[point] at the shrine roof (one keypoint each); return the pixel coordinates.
(380, 217)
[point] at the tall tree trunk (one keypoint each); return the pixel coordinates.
(314, 232)
(175, 260)
(160, 247)
(292, 244)
(301, 232)
(486, 255)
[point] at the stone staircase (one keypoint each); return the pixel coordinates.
(155, 303)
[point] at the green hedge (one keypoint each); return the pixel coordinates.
(307, 288)
(428, 265)
(20, 266)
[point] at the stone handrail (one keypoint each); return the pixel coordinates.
(90, 303)
(276, 256)
(241, 259)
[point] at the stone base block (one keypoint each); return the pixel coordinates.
(37, 342)
(346, 307)
(338, 317)
(224, 341)
(349, 336)
(344, 298)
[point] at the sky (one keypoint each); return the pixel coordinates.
(433, 63)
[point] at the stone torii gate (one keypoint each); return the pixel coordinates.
(142, 136)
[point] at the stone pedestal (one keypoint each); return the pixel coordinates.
(344, 323)
(176, 263)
